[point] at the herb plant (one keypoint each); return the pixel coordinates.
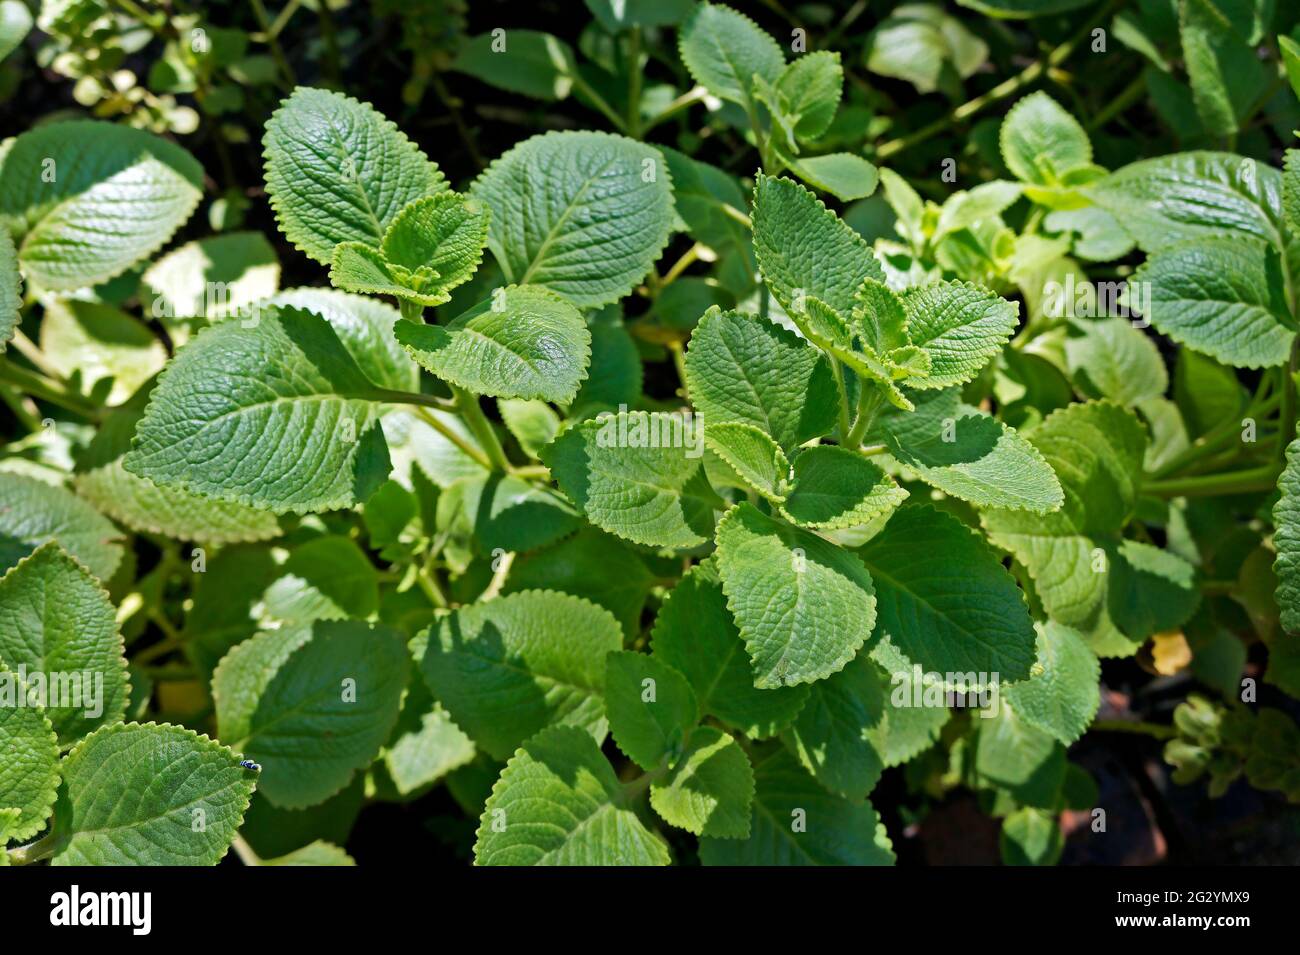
(427, 532)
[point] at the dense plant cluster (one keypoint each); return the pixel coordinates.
(801, 449)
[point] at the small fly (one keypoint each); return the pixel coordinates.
(249, 764)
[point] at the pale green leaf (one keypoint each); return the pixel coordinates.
(33, 512)
(585, 214)
(709, 790)
(522, 61)
(85, 200)
(755, 457)
(318, 853)
(845, 176)
(311, 703)
(509, 667)
(695, 633)
(132, 795)
(804, 607)
(1041, 142)
(426, 745)
(338, 171)
(1286, 539)
(29, 773)
(11, 288)
(1226, 74)
(1030, 837)
(1012, 755)
(724, 50)
(525, 342)
(558, 802)
(533, 423)
(210, 279)
(637, 475)
(835, 487)
(810, 87)
(95, 345)
(278, 416)
(1061, 696)
(15, 24)
(1110, 358)
(960, 325)
(58, 623)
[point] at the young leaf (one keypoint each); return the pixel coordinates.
(1061, 696)
(651, 707)
(29, 774)
(533, 423)
(832, 734)
(755, 457)
(115, 195)
(637, 475)
(795, 821)
(695, 633)
(724, 51)
(1041, 142)
(1030, 837)
(879, 317)
(945, 600)
(33, 512)
(1110, 358)
(426, 745)
(58, 624)
(810, 88)
(232, 413)
(585, 214)
(961, 326)
(509, 667)
(804, 249)
(132, 794)
(804, 606)
(710, 788)
(338, 171)
(312, 703)
(507, 513)
(845, 176)
(526, 342)
(742, 369)
(558, 802)
(969, 454)
(1225, 297)
(835, 487)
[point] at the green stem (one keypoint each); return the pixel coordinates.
(42, 848)
(868, 404)
(679, 363)
(582, 86)
(38, 386)
(685, 101)
(1212, 440)
(1154, 730)
(468, 406)
(1030, 74)
(837, 370)
(1262, 478)
(1127, 97)
(26, 412)
(427, 578)
(272, 41)
(454, 437)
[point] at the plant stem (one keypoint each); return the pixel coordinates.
(1155, 730)
(582, 86)
(1025, 77)
(868, 404)
(1211, 440)
(241, 846)
(685, 101)
(450, 434)
(427, 579)
(679, 363)
(498, 580)
(273, 41)
(24, 408)
(42, 848)
(837, 370)
(468, 406)
(689, 257)
(1262, 478)
(38, 386)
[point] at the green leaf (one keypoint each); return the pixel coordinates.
(804, 606)
(835, 487)
(1110, 358)
(326, 578)
(1022, 9)
(845, 176)
(707, 199)
(11, 288)
(85, 200)
(810, 87)
(695, 633)
(509, 667)
(1030, 837)
(426, 745)
(963, 209)
(960, 325)
(1041, 142)
(585, 214)
(533, 423)
(104, 350)
(1225, 72)
(742, 369)
(312, 703)
(908, 724)
(1096, 449)
(969, 454)
(945, 600)
(507, 513)
(755, 457)
(210, 279)
(15, 24)
(794, 821)
(615, 15)
(558, 802)
(1194, 195)
(832, 736)
(1225, 297)
(922, 44)
(526, 342)
(132, 795)
(1014, 756)
(1291, 60)
(1291, 187)
(637, 475)
(33, 512)
(1098, 235)
(29, 775)
(338, 171)
(651, 707)
(318, 853)
(357, 267)
(1061, 696)
(805, 249)
(710, 789)
(58, 623)
(521, 61)
(724, 50)
(1286, 539)
(593, 565)
(233, 411)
